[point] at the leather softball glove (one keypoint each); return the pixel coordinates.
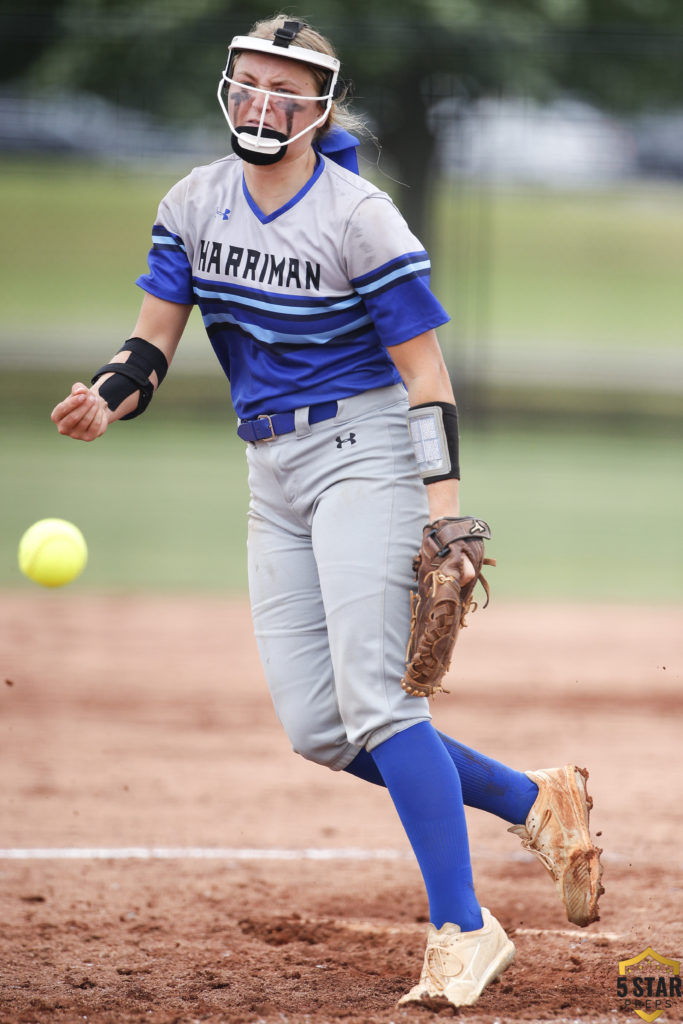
(440, 603)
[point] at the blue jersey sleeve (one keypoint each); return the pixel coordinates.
(390, 270)
(170, 264)
(170, 273)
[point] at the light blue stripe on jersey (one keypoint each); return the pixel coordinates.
(393, 276)
(274, 304)
(162, 237)
(274, 317)
(167, 243)
(300, 335)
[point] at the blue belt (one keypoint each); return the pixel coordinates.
(265, 428)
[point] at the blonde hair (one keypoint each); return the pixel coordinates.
(310, 39)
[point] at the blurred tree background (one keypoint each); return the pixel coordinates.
(535, 147)
(405, 55)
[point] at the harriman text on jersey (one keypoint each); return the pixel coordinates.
(253, 265)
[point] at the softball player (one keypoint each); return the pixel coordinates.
(315, 297)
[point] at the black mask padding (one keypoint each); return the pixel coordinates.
(262, 159)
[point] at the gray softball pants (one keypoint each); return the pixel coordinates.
(335, 519)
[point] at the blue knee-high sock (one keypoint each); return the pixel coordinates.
(423, 783)
(486, 784)
(364, 767)
(490, 785)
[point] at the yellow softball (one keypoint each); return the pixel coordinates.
(52, 552)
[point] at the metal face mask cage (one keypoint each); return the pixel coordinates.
(257, 141)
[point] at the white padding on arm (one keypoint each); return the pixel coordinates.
(429, 441)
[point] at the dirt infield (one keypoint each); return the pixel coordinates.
(143, 723)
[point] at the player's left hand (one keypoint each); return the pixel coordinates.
(468, 571)
(444, 501)
(83, 414)
(447, 568)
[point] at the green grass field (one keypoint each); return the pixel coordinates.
(550, 269)
(163, 501)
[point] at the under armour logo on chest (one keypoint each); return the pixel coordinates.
(351, 439)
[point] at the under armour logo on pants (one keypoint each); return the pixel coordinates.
(351, 439)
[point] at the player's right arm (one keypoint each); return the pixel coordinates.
(84, 414)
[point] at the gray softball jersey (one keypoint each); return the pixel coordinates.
(300, 304)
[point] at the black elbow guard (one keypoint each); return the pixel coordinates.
(133, 375)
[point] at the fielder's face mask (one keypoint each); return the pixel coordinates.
(258, 144)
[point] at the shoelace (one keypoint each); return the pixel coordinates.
(439, 964)
(528, 840)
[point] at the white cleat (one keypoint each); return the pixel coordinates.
(556, 831)
(459, 965)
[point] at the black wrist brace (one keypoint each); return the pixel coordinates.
(133, 375)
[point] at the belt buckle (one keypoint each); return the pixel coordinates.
(273, 435)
